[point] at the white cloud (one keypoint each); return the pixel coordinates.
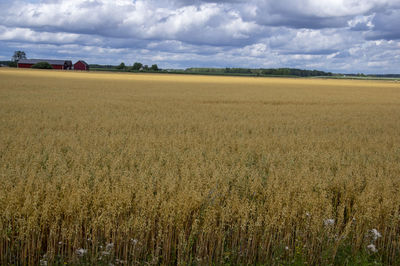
(24, 34)
(362, 23)
(333, 34)
(134, 19)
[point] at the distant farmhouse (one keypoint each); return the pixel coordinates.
(56, 64)
(81, 65)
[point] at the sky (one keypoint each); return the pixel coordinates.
(342, 36)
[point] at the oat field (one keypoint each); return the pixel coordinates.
(100, 168)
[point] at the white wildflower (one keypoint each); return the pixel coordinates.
(117, 261)
(375, 234)
(372, 248)
(307, 214)
(80, 252)
(60, 243)
(329, 222)
(109, 246)
(43, 263)
(286, 248)
(134, 241)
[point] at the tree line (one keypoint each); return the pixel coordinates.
(261, 71)
(137, 66)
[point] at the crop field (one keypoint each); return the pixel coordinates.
(99, 168)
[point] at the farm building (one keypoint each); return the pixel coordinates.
(81, 65)
(56, 64)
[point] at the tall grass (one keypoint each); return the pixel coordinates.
(163, 169)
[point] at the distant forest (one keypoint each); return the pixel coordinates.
(221, 71)
(261, 71)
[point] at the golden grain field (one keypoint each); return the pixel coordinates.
(129, 169)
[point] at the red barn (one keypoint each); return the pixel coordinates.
(56, 64)
(81, 65)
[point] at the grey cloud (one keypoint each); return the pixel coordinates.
(386, 26)
(330, 35)
(307, 22)
(210, 24)
(361, 26)
(308, 14)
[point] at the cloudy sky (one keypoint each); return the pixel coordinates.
(347, 36)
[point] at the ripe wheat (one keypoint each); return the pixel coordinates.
(165, 169)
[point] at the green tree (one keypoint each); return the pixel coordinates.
(42, 65)
(137, 66)
(145, 68)
(18, 55)
(13, 64)
(121, 66)
(154, 67)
